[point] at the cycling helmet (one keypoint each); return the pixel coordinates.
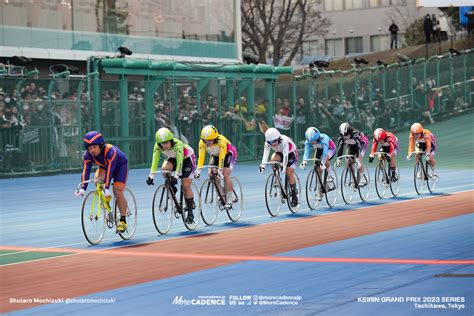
(209, 132)
(163, 135)
(416, 128)
(93, 138)
(345, 129)
(312, 134)
(271, 135)
(380, 135)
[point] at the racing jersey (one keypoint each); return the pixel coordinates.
(284, 146)
(392, 143)
(109, 158)
(219, 148)
(426, 137)
(179, 150)
(324, 142)
(357, 138)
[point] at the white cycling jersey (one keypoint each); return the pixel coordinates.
(284, 146)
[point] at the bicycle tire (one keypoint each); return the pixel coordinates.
(312, 190)
(90, 218)
(331, 193)
(132, 215)
(430, 178)
(419, 177)
(196, 212)
(364, 190)
(162, 209)
(235, 211)
(294, 209)
(395, 185)
(347, 185)
(210, 203)
(380, 179)
(273, 191)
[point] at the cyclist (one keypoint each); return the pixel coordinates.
(222, 150)
(388, 144)
(425, 141)
(324, 148)
(113, 164)
(181, 159)
(286, 152)
(357, 144)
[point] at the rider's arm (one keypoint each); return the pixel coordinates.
(179, 149)
(286, 150)
(375, 144)
(86, 170)
(392, 143)
(202, 154)
(266, 152)
(307, 150)
(411, 144)
(358, 140)
(156, 158)
(340, 146)
(111, 158)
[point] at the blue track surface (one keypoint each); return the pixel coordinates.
(42, 212)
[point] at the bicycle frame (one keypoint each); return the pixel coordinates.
(168, 178)
(276, 172)
(100, 196)
(350, 163)
(316, 168)
(382, 162)
(214, 180)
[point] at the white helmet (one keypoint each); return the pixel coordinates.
(271, 135)
(344, 129)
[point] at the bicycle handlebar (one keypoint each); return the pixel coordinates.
(162, 171)
(89, 181)
(380, 153)
(344, 156)
(273, 163)
(208, 166)
(313, 159)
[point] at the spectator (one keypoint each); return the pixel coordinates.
(393, 29)
(428, 28)
(436, 29)
(443, 24)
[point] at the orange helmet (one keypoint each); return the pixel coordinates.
(380, 135)
(416, 128)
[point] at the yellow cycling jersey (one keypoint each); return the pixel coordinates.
(219, 148)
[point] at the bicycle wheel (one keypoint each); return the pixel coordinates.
(210, 202)
(273, 196)
(431, 178)
(294, 209)
(348, 187)
(235, 210)
(331, 187)
(93, 218)
(162, 209)
(196, 211)
(313, 190)
(381, 183)
(419, 177)
(132, 215)
(395, 185)
(364, 185)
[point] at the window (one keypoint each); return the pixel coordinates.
(309, 48)
(379, 43)
(354, 45)
(333, 5)
(353, 4)
(334, 47)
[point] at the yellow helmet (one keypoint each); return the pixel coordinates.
(209, 132)
(416, 128)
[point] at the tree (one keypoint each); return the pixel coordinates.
(280, 26)
(414, 34)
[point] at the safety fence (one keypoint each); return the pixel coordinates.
(43, 120)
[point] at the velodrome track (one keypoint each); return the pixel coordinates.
(333, 261)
